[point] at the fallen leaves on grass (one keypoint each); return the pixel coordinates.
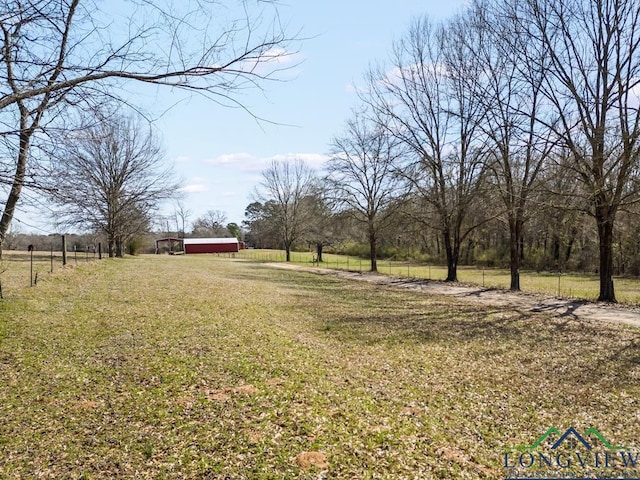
(225, 394)
(308, 460)
(457, 456)
(219, 395)
(387, 384)
(412, 411)
(245, 390)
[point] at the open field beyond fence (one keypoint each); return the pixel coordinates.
(164, 367)
(572, 285)
(20, 268)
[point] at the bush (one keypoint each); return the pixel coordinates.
(492, 257)
(134, 245)
(354, 249)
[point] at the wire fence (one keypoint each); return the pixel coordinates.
(22, 268)
(577, 286)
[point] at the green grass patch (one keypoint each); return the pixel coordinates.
(19, 269)
(571, 285)
(205, 367)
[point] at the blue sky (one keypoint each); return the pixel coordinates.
(219, 152)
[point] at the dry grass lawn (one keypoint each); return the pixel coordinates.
(200, 367)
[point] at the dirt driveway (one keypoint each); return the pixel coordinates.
(524, 302)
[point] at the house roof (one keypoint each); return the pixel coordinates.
(200, 241)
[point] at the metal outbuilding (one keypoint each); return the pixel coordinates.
(169, 245)
(211, 245)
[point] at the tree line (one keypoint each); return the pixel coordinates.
(511, 127)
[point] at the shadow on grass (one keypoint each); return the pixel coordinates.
(574, 352)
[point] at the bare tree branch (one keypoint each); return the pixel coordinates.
(287, 184)
(110, 178)
(61, 54)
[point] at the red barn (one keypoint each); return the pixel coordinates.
(211, 245)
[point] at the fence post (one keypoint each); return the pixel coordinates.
(64, 250)
(30, 248)
(52, 258)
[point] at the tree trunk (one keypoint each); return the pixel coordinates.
(373, 250)
(111, 246)
(515, 255)
(572, 239)
(452, 249)
(605, 238)
(556, 249)
(468, 256)
(119, 248)
(18, 179)
(287, 250)
(319, 247)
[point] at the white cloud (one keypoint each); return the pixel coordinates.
(194, 188)
(231, 159)
(195, 185)
(426, 71)
(272, 61)
(281, 56)
(180, 159)
(251, 164)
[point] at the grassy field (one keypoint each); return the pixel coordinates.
(17, 270)
(204, 367)
(571, 285)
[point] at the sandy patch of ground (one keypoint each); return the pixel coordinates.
(524, 302)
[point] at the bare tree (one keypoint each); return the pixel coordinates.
(288, 183)
(592, 48)
(57, 54)
(424, 103)
(181, 215)
(110, 178)
(323, 229)
(211, 224)
(361, 176)
(518, 140)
